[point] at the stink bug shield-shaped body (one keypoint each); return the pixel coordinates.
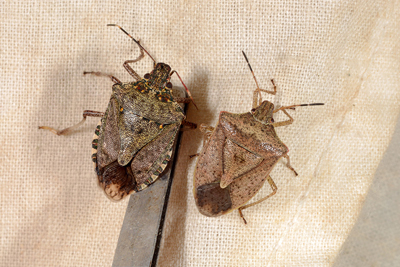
(133, 142)
(136, 135)
(238, 156)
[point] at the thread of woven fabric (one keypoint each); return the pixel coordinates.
(344, 54)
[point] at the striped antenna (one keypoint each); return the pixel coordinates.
(300, 105)
(248, 63)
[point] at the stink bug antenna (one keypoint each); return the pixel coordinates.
(300, 105)
(257, 93)
(141, 47)
(187, 90)
(281, 108)
(248, 63)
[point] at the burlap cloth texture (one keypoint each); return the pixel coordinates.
(343, 53)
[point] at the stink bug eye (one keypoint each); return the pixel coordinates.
(147, 76)
(168, 85)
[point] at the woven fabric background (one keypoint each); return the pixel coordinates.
(343, 53)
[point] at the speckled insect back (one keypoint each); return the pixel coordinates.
(238, 156)
(137, 134)
(133, 141)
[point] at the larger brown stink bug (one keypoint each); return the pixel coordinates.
(238, 156)
(133, 142)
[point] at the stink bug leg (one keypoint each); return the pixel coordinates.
(238, 156)
(126, 66)
(66, 131)
(86, 113)
(100, 74)
(274, 189)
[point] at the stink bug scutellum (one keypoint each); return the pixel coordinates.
(238, 156)
(133, 142)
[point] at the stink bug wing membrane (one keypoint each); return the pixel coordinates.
(212, 200)
(152, 159)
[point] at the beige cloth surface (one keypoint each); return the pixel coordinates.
(343, 53)
(374, 239)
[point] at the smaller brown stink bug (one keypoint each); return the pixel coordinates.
(238, 156)
(133, 142)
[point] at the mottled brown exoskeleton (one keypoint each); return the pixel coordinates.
(133, 142)
(238, 156)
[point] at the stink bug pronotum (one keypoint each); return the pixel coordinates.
(133, 142)
(238, 156)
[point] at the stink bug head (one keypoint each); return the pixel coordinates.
(159, 76)
(263, 113)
